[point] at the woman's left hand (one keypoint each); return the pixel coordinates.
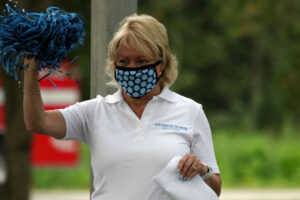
(189, 166)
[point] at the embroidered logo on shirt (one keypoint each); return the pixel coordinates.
(171, 127)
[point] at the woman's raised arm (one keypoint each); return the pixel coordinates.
(36, 119)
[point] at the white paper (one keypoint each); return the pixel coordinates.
(176, 189)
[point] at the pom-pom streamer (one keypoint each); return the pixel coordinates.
(49, 36)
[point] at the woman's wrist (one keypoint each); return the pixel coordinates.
(31, 64)
(203, 170)
(31, 69)
(32, 92)
(206, 171)
(31, 76)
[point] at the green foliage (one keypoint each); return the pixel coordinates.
(258, 159)
(239, 58)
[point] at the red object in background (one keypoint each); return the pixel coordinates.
(47, 151)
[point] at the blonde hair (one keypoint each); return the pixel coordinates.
(147, 36)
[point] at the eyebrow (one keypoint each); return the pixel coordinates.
(126, 57)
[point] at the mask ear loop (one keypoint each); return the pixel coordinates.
(158, 75)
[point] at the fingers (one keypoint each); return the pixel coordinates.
(188, 167)
(194, 169)
(181, 162)
(31, 62)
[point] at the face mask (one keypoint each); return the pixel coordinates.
(137, 82)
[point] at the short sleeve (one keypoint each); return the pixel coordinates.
(202, 144)
(76, 118)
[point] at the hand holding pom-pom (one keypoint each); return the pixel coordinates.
(49, 36)
(31, 63)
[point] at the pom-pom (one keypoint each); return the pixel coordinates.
(49, 36)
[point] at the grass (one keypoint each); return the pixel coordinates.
(67, 178)
(245, 160)
(258, 160)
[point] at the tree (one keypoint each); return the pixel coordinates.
(16, 143)
(238, 58)
(17, 140)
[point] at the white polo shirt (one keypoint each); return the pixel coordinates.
(126, 152)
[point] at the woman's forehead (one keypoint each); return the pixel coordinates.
(131, 44)
(130, 52)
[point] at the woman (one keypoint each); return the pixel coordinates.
(135, 132)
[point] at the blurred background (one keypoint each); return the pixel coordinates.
(241, 60)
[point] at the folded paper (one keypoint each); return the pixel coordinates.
(176, 189)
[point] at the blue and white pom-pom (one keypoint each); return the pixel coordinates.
(49, 36)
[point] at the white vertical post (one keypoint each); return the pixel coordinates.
(106, 15)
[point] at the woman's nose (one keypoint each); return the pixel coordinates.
(132, 64)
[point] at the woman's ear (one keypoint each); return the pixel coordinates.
(160, 69)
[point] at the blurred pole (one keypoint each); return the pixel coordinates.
(17, 140)
(106, 15)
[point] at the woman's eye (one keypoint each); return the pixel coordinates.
(123, 62)
(143, 61)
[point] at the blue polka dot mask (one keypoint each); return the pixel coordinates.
(137, 82)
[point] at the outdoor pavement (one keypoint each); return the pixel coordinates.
(227, 194)
(260, 194)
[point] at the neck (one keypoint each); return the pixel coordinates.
(138, 105)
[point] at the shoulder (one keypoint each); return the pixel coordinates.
(187, 102)
(91, 102)
(84, 106)
(186, 107)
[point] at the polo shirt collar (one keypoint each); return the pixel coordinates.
(166, 94)
(114, 98)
